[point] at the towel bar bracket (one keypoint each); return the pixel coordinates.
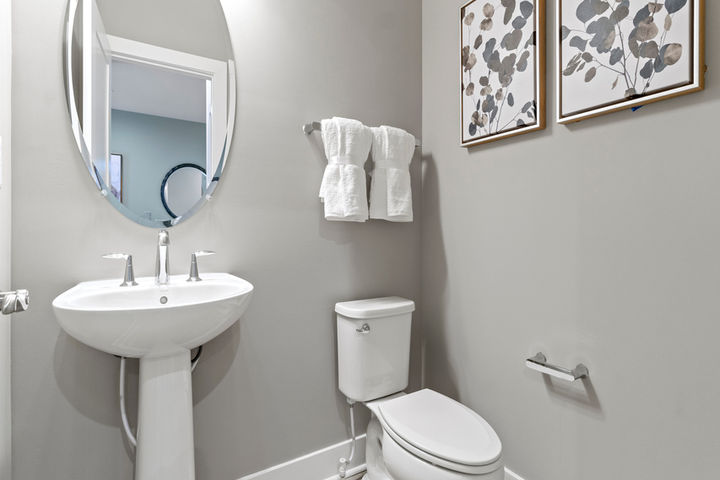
(540, 364)
(308, 128)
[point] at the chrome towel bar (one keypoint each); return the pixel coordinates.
(539, 363)
(308, 128)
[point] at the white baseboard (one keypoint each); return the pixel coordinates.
(510, 475)
(323, 464)
(319, 465)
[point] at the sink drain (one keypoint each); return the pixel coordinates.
(163, 300)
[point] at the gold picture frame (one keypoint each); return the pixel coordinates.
(648, 41)
(502, 70)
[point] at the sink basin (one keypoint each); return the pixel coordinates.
(152, 320)
(158, 324)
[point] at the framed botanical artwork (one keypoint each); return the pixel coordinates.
(502, 69)
(619, 54)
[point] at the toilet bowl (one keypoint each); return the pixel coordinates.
(418, 436)
(425, 435)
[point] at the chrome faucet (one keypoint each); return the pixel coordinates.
(162, 260)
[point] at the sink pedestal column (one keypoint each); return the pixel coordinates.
(165, 446)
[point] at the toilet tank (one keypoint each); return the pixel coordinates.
(373, 346)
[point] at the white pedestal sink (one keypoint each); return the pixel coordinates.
(159, 324)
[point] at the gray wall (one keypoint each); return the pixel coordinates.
(151, 146)
(597, 243)
(5, 235)
(265, 391)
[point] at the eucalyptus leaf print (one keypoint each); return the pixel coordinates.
(478, 41)
(674, 5)
(499, 60)
(613, 51)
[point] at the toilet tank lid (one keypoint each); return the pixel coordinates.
(375, 307)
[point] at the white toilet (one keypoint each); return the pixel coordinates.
(418, 436)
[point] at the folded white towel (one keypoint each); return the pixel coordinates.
(391, 191)
(344, 184)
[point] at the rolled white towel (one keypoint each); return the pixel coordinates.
(391, 191)
(344, 185)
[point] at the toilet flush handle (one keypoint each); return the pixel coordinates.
(365, 329)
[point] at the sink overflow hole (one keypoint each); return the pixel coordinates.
(163, 300)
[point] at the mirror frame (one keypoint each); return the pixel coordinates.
(71, 11)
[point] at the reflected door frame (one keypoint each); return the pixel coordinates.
(96, 86)
(215, 72)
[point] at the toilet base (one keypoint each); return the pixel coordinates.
(374, 452)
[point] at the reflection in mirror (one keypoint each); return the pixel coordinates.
(182, 187)
(150, 87)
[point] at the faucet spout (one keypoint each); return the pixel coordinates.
(162, 259)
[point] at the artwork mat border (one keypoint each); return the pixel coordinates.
(698, 70)
(540, 83)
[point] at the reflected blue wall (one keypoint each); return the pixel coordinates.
(150, 147)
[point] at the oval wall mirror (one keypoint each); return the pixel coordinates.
(150, 88)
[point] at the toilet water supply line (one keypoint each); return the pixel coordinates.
(123, 411)
(345, 462)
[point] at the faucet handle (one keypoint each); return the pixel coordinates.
(194, 274)
(129, 279)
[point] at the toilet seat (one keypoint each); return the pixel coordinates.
(400, 464)
(442, 432)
